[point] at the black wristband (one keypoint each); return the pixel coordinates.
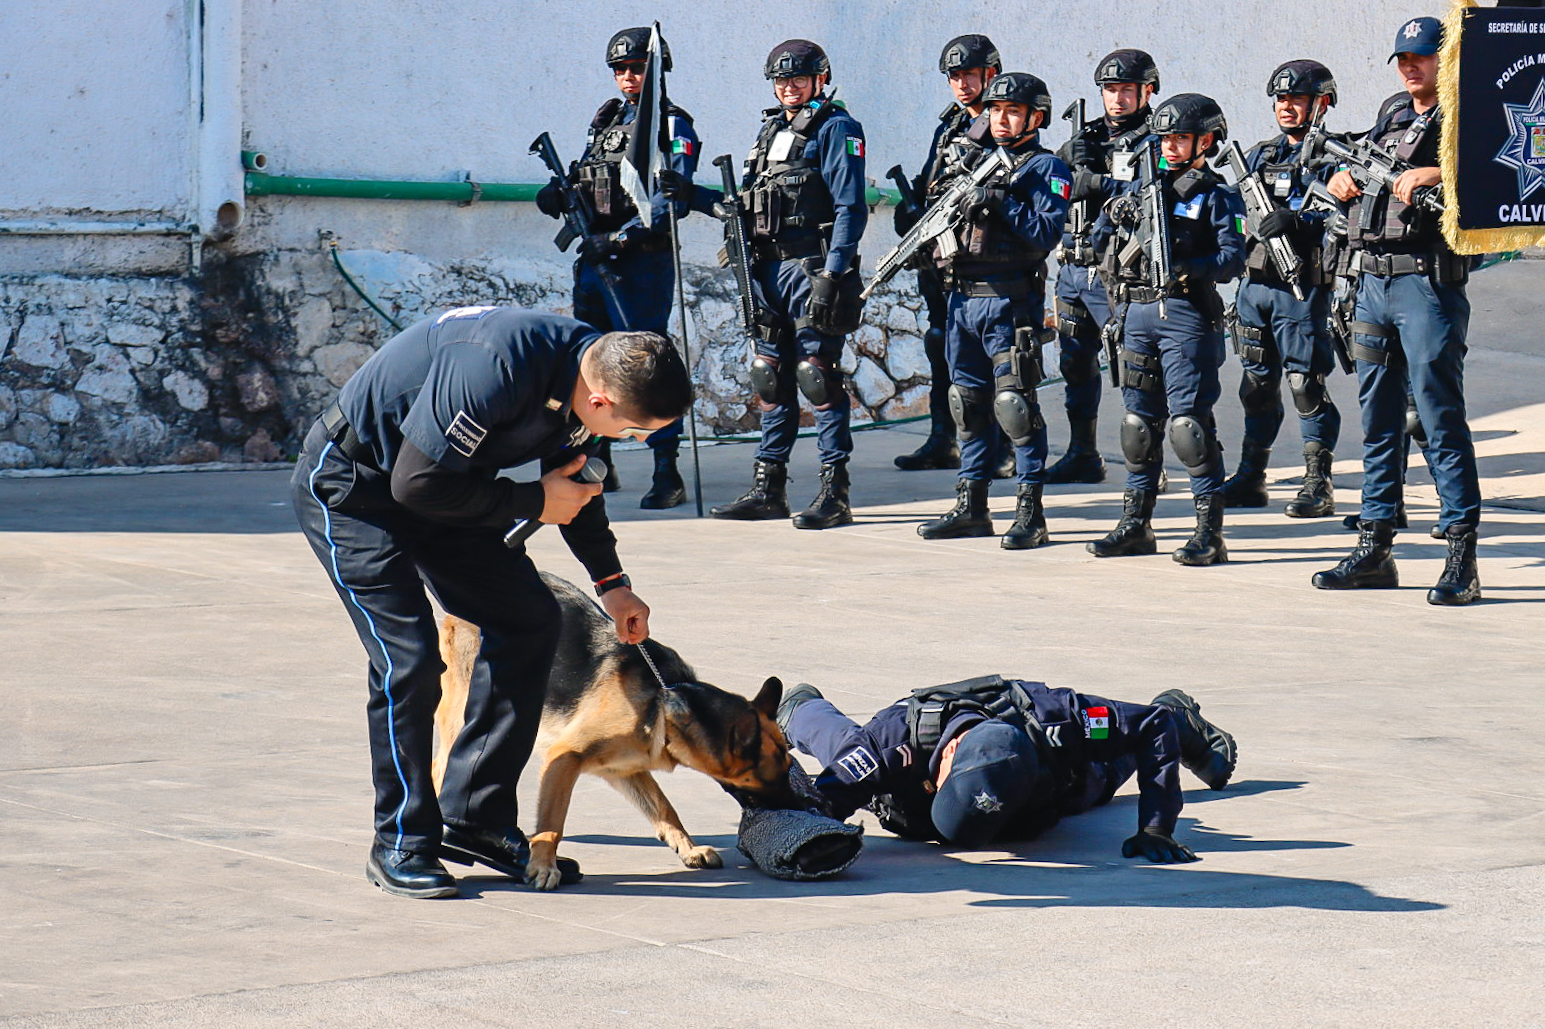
(615, 582)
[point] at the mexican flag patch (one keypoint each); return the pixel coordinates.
(855, 147)
(1061, 187)
(1239, 225)
(1097, 723)
(681, 146)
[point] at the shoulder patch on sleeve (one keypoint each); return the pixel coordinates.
(465, 435)
(855, 146)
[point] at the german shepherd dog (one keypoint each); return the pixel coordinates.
(608, 715)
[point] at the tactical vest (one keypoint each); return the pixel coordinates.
(1076, 246)
(788, 198)
(959, 149)
(1189, 237)
(987, 248)
(1379, 221)
(598, 174)
(1284, 180)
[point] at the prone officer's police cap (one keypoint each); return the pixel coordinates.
(633, 45)
(991, 777)
(1418, 36)
(795, 57)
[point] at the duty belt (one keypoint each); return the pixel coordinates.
(1012, 289)
(1389, 265)
(341, 433)
(1134, 294)
(771, 250)
(649, 245)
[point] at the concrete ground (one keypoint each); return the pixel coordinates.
(185, 797)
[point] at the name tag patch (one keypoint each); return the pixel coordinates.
(465, 435)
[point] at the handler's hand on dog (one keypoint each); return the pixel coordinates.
(629, 614)
(562, 497)
(1160, 848)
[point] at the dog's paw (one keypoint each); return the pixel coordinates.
(702, 857)
(543, 876)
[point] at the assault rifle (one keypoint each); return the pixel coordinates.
(578, 215)
(941, 217)
(909, 197)
(1344, 301)
(1373, 168)
(736, 254)
(1258, 204)
(1078, 210)
(1152, 237)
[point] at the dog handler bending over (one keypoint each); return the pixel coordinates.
(396, 489)
(1004, 759)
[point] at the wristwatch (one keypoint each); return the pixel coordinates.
(617, 581)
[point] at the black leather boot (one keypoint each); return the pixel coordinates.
(939, 450)
(610, 484)
(1208, 751)
(767, 498)
(1370, 566)
(1082, 462)
(1317, 496)
(830, 506)
(506, 852)
(792, 699)
(969, 516)
(668, 490)
(1352, 521)
(1460, 582)
(1247, 486)
(1134, 533)
(408, 873)
(1206, 545)
(1029, 528)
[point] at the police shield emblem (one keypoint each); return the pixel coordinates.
(1524, 150)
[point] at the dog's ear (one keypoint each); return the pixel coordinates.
(767, 700)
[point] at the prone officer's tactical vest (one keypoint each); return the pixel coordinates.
(788, 198)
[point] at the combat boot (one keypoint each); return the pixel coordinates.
(791, 700)
(1352, 521)
(1134, 533)
(1247, 486)
(1370, 566)
(1317, 496)
(969, 516)
(1082, 462)
(1460, 582)
(1029, 528)
(767, 497)
(1208, 751)
(1206, 545)
(667, 490)
(938, 451)
(830, 507)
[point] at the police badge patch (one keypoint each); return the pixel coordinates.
(1524, 150)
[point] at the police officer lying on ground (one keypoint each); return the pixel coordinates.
(396, 489)
(640, 258)
(1004, 759)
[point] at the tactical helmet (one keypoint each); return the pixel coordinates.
(992, 776)
(969, 51)
(1127, 65)
(1018, 87)
(1190, 113)
(1302, 78)
(796, 57)
(633, 45)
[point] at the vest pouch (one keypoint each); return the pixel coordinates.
(766, 211)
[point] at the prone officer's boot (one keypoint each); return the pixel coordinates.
(767, 498)
(1082, 462)
(1134, 533)
(1206, 545)
(1029, 528)
(1317, 496)
(1208, 751)
(1370, 566)
(610, 484)
(1460, 582)
(667, 490)
(830, 506)
(969, 516)
(1247, 486)
(792, 699)
(939, 450)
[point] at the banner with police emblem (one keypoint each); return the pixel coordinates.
(1492, 88)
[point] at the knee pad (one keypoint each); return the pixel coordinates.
(933, 341)
(970, 409)
(764, 379)
(1414, 427)
(1018, 414)
(1308, 393)
(1140, 441)
(1193, 444)
(1259, 394)
(817, 382)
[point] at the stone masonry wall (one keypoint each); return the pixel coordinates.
(233, 365)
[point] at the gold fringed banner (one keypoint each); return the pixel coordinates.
(1491, 84)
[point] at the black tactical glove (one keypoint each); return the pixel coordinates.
(1125, 210)
(823, 299)
(674, 185)
(1279, 221)
(1087, 183)
(1083, 154)
(985, 200)
(599, 246)
(1158, 847)
(550, 199)
(906, 216)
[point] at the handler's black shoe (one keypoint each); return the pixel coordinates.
(938, 451)
(408, 873)
(792, 699)
(1208, 751)
(503, 852)
(667, 490)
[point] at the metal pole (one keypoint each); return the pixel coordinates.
(686, 352)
